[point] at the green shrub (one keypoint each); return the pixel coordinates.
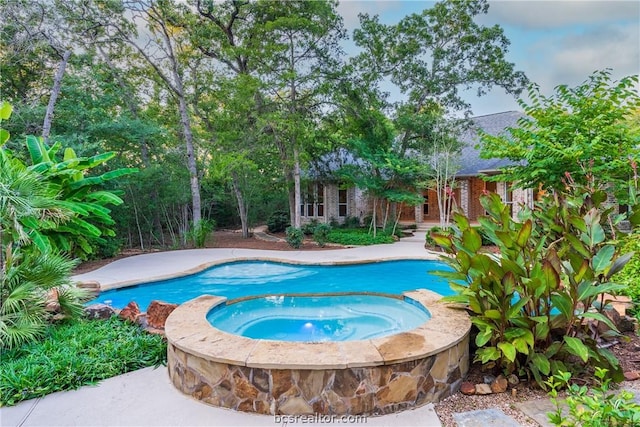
(294, 237)
(27, 278)
(528, 302)
(321, 234)
(75, 354)
(309, 228)
(198, 234)
(357, 237)
(597, 407)
(107, 247)
(393, 231)
(278, 222)
(351, 222)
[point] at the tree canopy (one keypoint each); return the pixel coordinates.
(588, 129)
(223, 105)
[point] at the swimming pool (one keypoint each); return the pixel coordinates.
(252, 278)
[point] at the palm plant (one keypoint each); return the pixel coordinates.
(25, 282)
(29, 268)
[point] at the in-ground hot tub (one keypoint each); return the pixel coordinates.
(316, 318)
(371, 376)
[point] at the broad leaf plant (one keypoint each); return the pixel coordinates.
(537, 304)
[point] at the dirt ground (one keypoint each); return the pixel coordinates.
(221, 239)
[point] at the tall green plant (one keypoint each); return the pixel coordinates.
(28, 269)
(79, 192)
(534, 302)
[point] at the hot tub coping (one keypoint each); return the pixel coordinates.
(188, 330)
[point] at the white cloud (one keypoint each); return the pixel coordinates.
(351, 9)
(615, 47)
(555, 14)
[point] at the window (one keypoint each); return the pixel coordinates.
(313, 201)
(507, 197)
(425, 206)
(342, 203)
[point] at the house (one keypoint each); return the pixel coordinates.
(325, 200)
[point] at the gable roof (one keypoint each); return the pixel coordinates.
(493, 124)
(470, 162)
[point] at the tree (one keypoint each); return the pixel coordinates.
(431, 56)
(226, 32)
(165, 52)
(298, 54)
(443, 157)
(386, 175)
(587, 127)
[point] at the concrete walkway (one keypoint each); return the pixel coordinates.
(147, 398)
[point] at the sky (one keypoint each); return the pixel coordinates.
(553, 42)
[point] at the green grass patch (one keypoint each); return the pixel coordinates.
(358, 236)
(75, 354)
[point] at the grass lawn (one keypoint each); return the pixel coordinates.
(77, 353)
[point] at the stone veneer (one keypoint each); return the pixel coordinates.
(368, 377)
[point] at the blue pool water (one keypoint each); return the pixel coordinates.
(318, 318)
(241, 279)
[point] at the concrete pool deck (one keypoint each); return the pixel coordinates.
(164, 265)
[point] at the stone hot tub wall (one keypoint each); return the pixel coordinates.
(369, 377)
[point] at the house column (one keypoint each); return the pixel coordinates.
(464, 195)
(418, 213)
(522, 198)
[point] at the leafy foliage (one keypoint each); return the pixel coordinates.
(200, 231)
(278, 222)
(357, 237)
(79, 193)
(75, 354)
(309, 227)
(27, 278)
(295, 237)
(463, 54)
(592, 408)
(28, 268)
(321, 234)
(533, 303)
(583, 127)
(629, 276)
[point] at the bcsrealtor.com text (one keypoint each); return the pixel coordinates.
(319, 419)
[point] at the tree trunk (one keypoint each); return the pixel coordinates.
(242, 206)
(297, 223)
(191, 156)
(55, 92)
